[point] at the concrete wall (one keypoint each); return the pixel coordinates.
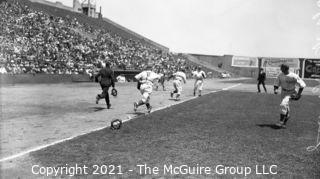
(42, 78)
(55, 78)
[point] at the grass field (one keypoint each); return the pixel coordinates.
(229, 127)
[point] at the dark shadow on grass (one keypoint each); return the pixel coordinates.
(172, 99)
(96, 109)
(136, 113)
(272, 126)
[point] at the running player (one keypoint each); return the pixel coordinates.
(179, 77)
(199, 75)
(146, 79)
(287, 81)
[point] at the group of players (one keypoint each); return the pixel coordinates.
(286, 80)
(146, 81)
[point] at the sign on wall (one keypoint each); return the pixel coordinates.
(311, 68)
(239, 61)
(272, 65)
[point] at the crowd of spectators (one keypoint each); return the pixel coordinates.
(35, 42)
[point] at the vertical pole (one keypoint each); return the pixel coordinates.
(89, 8)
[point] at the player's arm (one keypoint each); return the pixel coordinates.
(204, 74)
(301, 84)
(138, 76)
(112, 78)
(184, 79)
(96, 77)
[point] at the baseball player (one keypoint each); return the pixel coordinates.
(261, 80)
(288, 82)
(145, 79)
(179, 77)
(199, 75)
(105, 77)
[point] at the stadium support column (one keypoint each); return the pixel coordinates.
(89, 8)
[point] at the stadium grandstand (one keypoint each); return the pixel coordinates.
(41, 39)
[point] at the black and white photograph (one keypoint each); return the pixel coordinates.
(159, 89)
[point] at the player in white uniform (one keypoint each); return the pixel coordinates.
(179, 77)
(288, 82)
(199, 75)
(146, 79)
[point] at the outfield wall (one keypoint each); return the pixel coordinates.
(225, 61)
(56, 78)
(306, 68)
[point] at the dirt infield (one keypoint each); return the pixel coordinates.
(35, 115)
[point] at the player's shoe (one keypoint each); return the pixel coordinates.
(149, 109)
(97, 99)
(281, 124)
(171, 94)
(108, 106)
(135, 106)
(194, 93)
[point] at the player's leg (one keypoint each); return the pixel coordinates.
(149, 107)
(179, 90)
(264, 86)
(195, 86)
(284, 110)
(140, 102)
(200, 86)
(98, 97)
(156, 85)
(287, 117)
(175, 89)
(163, 87)
(258, 86)
(106, 96)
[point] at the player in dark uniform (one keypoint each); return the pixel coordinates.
(161, 80)
(261, 79)
(106, 79)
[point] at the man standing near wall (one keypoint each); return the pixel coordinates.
(261, 79)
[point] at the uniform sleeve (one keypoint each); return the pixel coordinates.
(277, 81)
(184, 78)
(204, 74)
(300, 82)
(138, 76)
